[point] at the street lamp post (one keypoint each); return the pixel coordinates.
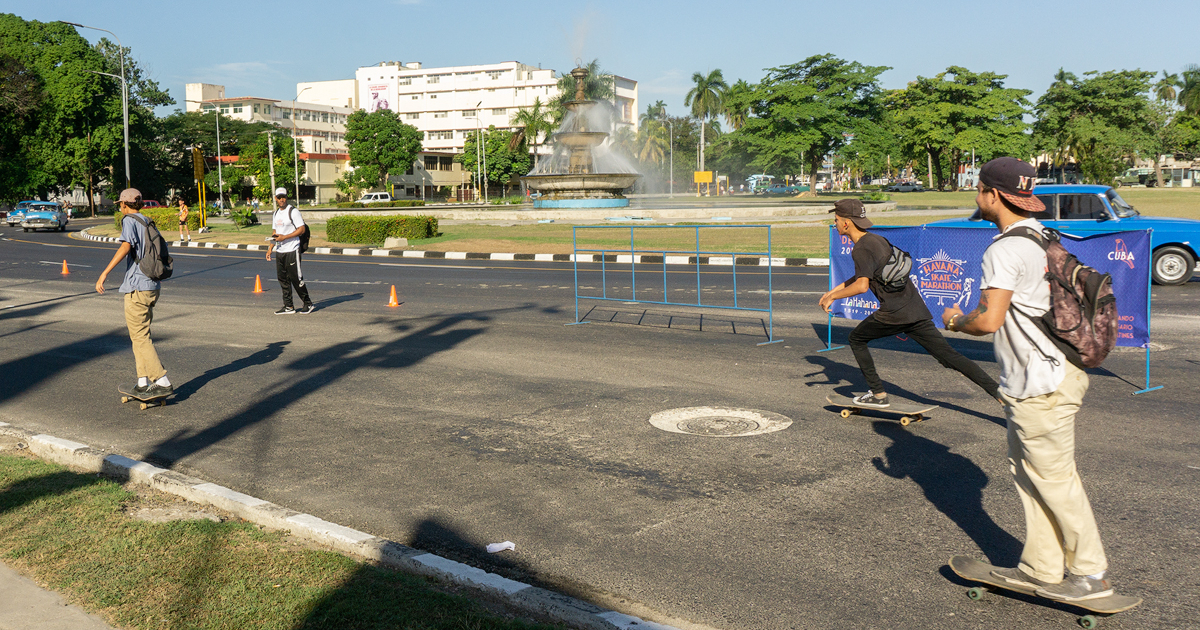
(671, 141)
(478, 159)
(124, 92)
(295, 150)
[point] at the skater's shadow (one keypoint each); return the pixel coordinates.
(262, 357)
(952, 483)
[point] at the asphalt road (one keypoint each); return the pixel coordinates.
(473, 414)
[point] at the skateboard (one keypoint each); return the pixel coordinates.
(976, 571)
(908, 412)
(127, 395)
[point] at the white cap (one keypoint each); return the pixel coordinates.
(281, 192)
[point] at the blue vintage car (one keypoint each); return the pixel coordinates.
(1084, 210)
(18, 212)
(44, 215)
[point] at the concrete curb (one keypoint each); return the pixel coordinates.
(361, 545)
(752, 261)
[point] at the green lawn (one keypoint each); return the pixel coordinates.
(72, 533)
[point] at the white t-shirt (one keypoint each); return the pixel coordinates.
(1019, 265)
(286, 221)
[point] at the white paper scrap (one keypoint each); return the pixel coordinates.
(498, 547)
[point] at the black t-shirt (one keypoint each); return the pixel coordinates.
(901, 307)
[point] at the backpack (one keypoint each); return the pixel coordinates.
(1082, 320)
(893, 275)
(303, 235)
(155, 262)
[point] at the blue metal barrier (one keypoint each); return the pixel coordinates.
(693, 257)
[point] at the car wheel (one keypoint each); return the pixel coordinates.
(1172, 265)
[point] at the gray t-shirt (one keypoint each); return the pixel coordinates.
(133, 231)
(1019, 265)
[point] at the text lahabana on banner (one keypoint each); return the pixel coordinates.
(948, 268)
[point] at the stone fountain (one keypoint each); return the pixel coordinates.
(582, 172)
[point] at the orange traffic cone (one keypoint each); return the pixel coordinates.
(64, 271)
(393, 301)
(257, 284)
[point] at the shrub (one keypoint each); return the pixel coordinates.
(358, 229)
(876, 196)
(167, 219)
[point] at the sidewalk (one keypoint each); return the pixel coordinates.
(26, 606)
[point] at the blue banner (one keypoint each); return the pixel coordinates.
(948, 268)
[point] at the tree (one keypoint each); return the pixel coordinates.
(800, 113)
(956, 112)
(503, 164)
(705, 100)
(255, 162)
(653, 135)
(379, 145)
(734, 104)
(597, 86)
(1165, 88)
(1189, 90)
(535, 123)
(1163, 135)
(1098, 120)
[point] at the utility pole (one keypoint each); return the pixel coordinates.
(271, 159)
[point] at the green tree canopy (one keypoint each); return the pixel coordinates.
(956, 112)
(380, 144)
(1099, 120)
(705, 99)
(806, 111)
(504, 160)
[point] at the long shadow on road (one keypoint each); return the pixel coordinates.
(952, 483)
(24, 374)
(262, 357)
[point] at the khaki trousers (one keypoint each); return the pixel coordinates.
(1060, 529)
(139, 312)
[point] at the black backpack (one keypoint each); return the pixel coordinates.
(303, 235)
(1082, 320)
(893, 275)
(155, 261)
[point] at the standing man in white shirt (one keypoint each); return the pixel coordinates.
(1041, 391)
(288, 224)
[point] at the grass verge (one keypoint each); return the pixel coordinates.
(72, 533)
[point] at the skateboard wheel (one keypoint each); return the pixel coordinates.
(975, 593)
(144, 405)
(1088, 621)
(905, 420)
(846, 413)
(124, 399)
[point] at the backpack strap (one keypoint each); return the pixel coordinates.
(138, 256)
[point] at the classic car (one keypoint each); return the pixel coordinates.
(44, 215)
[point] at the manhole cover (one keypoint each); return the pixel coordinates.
(719, 421)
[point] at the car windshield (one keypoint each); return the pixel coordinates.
(1120, 206)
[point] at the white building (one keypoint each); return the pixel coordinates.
(320, 127)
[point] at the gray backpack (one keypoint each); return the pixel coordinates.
(893, 275)
(155, 261)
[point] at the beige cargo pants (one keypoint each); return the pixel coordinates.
(139, 312)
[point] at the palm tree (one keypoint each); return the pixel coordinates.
(652, 138)
(598, 86)
(705, 101)
(735, 105)
(1165, 88)
(533, 123)
(1189, 89)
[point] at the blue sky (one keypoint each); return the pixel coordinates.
(263, 48)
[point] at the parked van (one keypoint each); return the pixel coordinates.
(377, 197)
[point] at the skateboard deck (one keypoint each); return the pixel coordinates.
(971, 569)
(907, 411)
(145, 402)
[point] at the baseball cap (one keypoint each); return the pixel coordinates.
(281, 192)
(854, 210)
(130, 195)
(1014, 180)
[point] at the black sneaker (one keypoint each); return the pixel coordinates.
(287, 310)
(140, 389)
(155, 390)
(1017, 577)
(1076, 588)
(306, 309)
(869, 399)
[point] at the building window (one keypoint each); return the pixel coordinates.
(324, 117)
(266, 110)
(440, 114)
(433, 78)
(494, 74)
(416, 97)
(256, 108)
(431, 162)
(499, 111)
(405, 81)
(285, 114)
(237, 108)
(439, 135)
(445, 163)
(432, 96)
(529, 75)
(520, 89)
(412, 115)
(470, 113)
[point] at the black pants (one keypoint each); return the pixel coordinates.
(924, 333)
(287, 269)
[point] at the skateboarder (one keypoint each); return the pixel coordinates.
(1041, 391)
(141, 294)
(288, 225)
(899, 311)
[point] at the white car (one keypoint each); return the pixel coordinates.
(378, 197)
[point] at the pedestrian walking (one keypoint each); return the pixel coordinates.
(183, 225)
(288, 224)
(900, 311)
(141, 294)
(1041, 391)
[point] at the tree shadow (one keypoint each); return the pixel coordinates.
(952, 483)
(26, 373)
(262, 357)
(30, 490)
(679, 320)
(325, 367)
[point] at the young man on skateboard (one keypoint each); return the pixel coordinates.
(141, 294)
(899, 312)
(1041, 391)
(288, 225)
